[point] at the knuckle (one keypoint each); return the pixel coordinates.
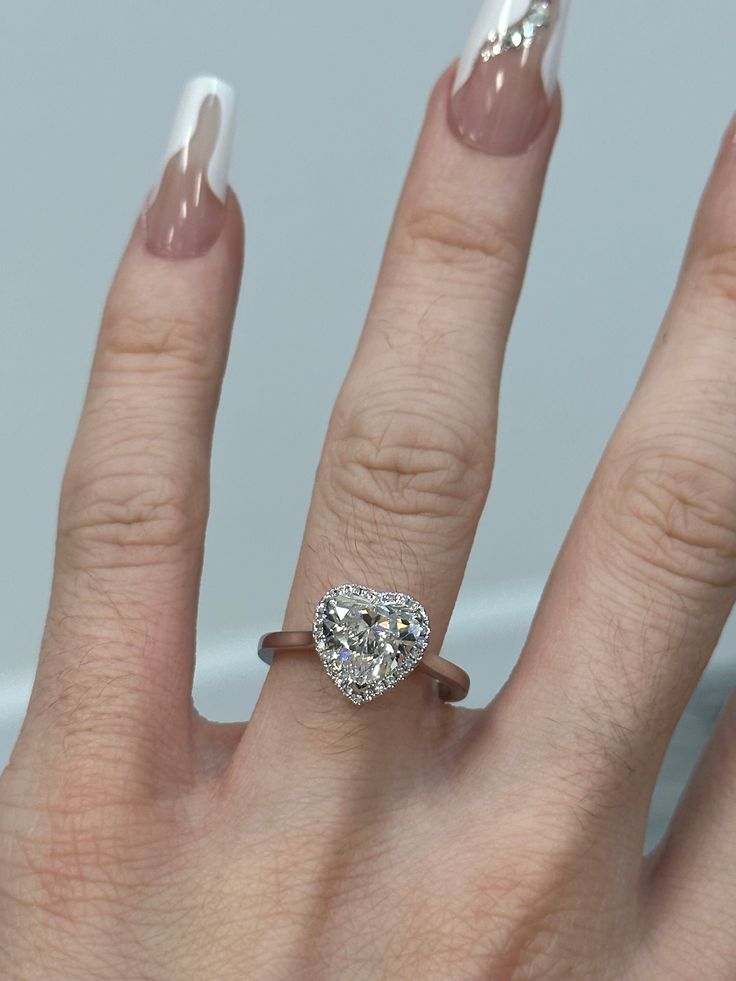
(67, 858)
(470, 242)
(526, 907)
(140, 341)
(676, 514)
(383, 466)
(128, 512)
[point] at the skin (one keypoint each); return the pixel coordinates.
(404, 839)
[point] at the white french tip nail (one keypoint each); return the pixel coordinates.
(195, 93)
(495, 19)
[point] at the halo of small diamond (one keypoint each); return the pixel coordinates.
(410, 657)
(522, 34)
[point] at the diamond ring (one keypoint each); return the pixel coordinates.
(368, 641)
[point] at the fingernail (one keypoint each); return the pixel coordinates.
(186, 212)
(507, 76)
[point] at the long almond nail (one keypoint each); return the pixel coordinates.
(186, 212)
(507, 76)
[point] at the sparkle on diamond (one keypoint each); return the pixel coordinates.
(524, 32)
(369, 642)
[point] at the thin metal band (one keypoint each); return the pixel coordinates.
(454, 683)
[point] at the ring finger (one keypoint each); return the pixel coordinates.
(408, 457)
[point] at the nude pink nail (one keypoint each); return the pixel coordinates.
(507, 76)
(186, 212)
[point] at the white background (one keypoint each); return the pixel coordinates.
(331, 96)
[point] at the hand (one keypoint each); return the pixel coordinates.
(403, 839)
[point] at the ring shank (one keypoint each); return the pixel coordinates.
(454, 683)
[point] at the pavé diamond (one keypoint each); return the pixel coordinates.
(539, 14)
(368, 641)
(538, 18)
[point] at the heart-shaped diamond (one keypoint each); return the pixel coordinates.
(368, 641)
